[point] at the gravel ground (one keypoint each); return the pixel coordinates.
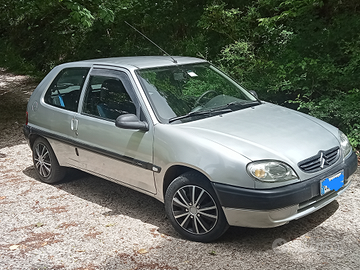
(89, 223)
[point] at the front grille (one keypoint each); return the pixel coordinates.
(320, 161)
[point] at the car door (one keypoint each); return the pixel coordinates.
(121, 155)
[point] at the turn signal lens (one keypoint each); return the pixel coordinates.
(259, 173)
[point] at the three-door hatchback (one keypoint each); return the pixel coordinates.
(178, 129)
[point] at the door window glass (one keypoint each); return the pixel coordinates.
(65, 90)
(106, 97)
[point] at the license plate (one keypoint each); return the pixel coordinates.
(332, 183)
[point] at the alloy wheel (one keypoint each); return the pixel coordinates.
(194, 209)
(42, 160)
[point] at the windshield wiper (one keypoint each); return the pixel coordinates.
(236, 105)
(211, 112)
(231, 106)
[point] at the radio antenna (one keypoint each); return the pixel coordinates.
(151, 42)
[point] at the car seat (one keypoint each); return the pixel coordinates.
(114, 100)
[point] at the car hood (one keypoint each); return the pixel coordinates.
(266, 131)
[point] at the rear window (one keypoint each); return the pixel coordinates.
(64, 92)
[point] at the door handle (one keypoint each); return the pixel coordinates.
(74, 124)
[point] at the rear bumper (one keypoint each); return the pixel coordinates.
(275, 207)
(27, 133)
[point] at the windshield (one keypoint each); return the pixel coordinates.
(190, 92)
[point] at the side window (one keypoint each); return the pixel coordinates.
(106, 97)
(64, 92)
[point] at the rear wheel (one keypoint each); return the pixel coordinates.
(45, 162)
(193, 208)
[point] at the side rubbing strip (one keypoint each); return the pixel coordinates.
(126, 159)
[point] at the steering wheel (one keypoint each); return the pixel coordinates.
(203, 95)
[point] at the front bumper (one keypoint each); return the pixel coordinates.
(274, 207)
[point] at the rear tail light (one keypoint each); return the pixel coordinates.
(27, 118)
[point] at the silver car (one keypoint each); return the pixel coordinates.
(183, 132)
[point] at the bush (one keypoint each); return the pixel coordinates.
(341, 110)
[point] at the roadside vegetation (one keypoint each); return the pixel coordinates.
(303, 54)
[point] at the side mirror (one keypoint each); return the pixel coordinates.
(131, 121)
(254, 93)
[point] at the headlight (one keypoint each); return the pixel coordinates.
(271, 171)
(345, 144)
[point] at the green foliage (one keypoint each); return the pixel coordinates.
(85, 15)
(46, 32)
(303, 51)
(342, 110)
(306, 51)
(11, 59)
(354, 136)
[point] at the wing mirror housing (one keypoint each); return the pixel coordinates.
(131, 121)
(254, 93)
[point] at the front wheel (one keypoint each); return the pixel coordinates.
(45, 162)
(193, 208)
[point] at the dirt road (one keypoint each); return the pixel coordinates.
(90, 223)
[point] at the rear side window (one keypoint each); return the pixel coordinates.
(64, 92)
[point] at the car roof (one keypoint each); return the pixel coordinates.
(141, 62)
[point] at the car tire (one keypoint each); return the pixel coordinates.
(193, 208)
(45, 162)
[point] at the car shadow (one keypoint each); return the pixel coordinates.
(120, 200)
(117, 199)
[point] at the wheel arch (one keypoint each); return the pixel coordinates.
(32, 139)
(197, 220)
(175, 171)
(45, 161)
